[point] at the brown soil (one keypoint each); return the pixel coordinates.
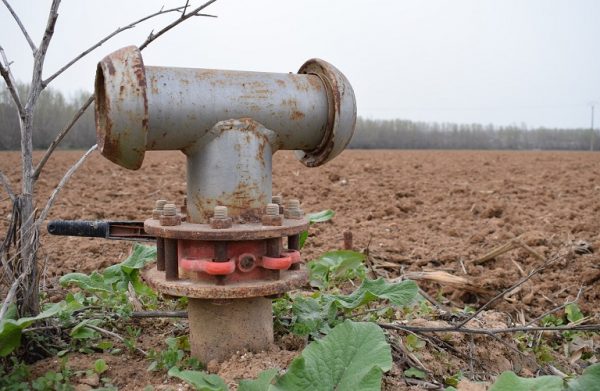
(415, 210)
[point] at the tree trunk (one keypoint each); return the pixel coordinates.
(29, 290)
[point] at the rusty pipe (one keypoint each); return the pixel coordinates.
(140, 108)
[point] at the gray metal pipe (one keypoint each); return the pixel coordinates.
(192, 101)
(141, 108)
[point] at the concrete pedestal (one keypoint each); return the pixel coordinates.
(219, 328)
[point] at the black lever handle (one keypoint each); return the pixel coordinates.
(116, 230)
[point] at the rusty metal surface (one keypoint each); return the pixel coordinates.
(289, 280)
(341, 119)
(236, 232)
(121, 107)
(232, 169)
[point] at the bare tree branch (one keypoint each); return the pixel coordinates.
(108, 37)
(60, 136)
(23, 29)
(62, 183)
(10, 81)
(184, 17)
(6, 184)
(37, 83)
(151, 37)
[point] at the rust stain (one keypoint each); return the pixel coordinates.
(297, 115)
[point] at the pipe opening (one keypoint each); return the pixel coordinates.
(101, 104)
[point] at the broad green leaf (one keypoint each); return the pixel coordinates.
(336, 265)
(264, 381)
(398, 293)
(10, 329)
(82, 332)
(201, 381)
(573, 312)
(351, 357)
(588, 381)
(93, 282)
(508, 381)
(140, 256)
(100, 366)
(320, 217)
(302, 240)
(415, 373)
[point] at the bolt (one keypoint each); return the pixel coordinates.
(279, 201)
(293, 211)
(272, 216)
(169, 210)
(272, 209)
(220, 212)
(220, 219)
(169, 216)
(158, 209)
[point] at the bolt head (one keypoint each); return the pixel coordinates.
(221, 223)
(272, 220)
(169, 221)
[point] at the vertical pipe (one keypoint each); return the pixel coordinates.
(294, 242)
(234, 170)
(160, 254)
(171, 260)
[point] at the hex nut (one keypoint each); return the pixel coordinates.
(221, 223)
(170, 221)
(272, 220)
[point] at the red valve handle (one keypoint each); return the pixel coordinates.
(282, 263)
(208, 266)
(294, 254)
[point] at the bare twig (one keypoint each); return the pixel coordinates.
(108, 37)
(552, 311)
(148, 40)
(159, 314)
(514, 286)
(62, 183)
(10, 296)
(5, 183)
(194, 12)
(60, 136)
(469, 330)
(7, 75)
(115, 336)
(37, 83)
(21, 26)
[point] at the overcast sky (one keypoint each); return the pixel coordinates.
(487, 61)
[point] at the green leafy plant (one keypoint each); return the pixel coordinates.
(353, 356)
(317, 217)
(588, 381)
(174, 356)
(106, 291)
(316, 314)
(336, 266)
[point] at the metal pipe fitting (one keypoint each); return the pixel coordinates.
(140, 108)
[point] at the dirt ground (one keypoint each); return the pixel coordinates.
(414, 210)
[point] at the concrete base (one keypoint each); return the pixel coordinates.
(219, 328)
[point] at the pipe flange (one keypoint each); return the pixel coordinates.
(341, 117)
(252, 231)
(121, 99)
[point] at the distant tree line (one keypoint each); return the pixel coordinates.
(404, 134)
(54, 111)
